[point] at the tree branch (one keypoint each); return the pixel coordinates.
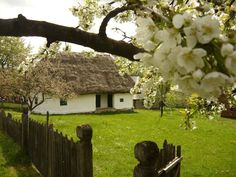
(112, 14)
(39, 103)
(21, 26)
(123, 33)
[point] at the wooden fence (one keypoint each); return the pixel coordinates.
(157, 163)
(55, 155)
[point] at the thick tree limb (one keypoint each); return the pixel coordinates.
(112, 14)
(23, 27)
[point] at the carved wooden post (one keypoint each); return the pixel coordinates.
(85, 154)
(146, 153)
(25, 130)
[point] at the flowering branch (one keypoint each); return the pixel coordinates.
(193, 50)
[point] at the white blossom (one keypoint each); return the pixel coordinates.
(207, 29)
(172, 58)
(226, 49)
(223, 38)
(212, 82)
(191, 35)
(142, 56)
(165, 59)
(191, 59)
(198, 74)
(169, 37)
(206, 7)
(160, 59)
(145, 30)
(187, 84)
(161, 53)
(149, 46)
(179, 20)
(230, 63)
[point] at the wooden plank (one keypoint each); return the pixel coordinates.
(78, 167)
(60, 156)
(57, 158)
(63, 155)
(49, 150)
(73, 156)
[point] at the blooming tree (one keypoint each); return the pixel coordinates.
(35, 78)
(191, 42)
(149, 84)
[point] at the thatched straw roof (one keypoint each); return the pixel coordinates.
(97, 74)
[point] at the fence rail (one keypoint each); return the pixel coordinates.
(53, 154)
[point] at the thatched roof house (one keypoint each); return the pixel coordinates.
(95, 82)
(96, 74)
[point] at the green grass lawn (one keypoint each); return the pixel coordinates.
(208, 151)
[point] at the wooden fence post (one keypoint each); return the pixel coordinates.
(50, 163)
(47, 144)
(146, 153)
(25, 130)
(85, 154)
(8, 122)
(2, 118)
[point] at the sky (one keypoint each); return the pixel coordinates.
(54, 11)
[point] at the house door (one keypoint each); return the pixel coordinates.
(109, 100)
(98, 101)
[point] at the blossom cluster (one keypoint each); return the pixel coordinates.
(193, 52)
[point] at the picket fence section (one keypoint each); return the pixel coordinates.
(53, 154)
(56, 155)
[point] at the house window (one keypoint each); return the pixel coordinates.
(121, 99)
(63, 102)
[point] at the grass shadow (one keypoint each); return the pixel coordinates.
(89, 113)
(13, 161)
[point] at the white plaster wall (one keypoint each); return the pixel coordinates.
(103, 101)
(128, 101)
(79, 104)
